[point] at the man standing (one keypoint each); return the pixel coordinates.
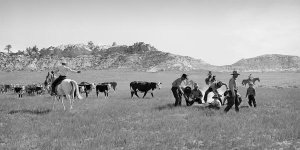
(62, 71)
(232, 99)
(177, 89)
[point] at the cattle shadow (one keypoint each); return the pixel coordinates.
(33, 112)
(167, 106)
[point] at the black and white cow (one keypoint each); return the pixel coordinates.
(85, 87)
(143, 86)
(103, 87)
(113, 85)
(20, 90)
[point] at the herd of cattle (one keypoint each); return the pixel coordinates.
(30, 89)
(84, 87)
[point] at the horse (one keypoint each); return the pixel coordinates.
(210, 79)
(68, 88)
(245, 81)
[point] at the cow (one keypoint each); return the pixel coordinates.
(143, 86)
(7, 87)
(39, 89)
(1, 88)
(20, 90)
(113, 85)
(103, 87)
(85, 87)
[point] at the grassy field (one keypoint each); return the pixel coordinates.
(120, 122)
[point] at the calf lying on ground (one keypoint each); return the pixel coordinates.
(143, 86)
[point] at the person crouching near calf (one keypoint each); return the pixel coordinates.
(177, 89)
(62, 71)
(251, 95)
(232, 99)
(197, 94)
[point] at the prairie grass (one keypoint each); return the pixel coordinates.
(120, 122)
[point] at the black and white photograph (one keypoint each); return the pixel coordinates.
(149, 74)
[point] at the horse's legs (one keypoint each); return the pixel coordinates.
(62, 101)
(71, 101)
(54, 99)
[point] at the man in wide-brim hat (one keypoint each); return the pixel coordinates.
(232, 99)
(177, 89)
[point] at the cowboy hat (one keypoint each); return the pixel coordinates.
(235, 73)
(63, 62)
(184, 76)
(215, 96)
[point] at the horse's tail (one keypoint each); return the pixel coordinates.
(75, 89)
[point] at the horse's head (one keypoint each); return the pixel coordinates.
(258, 79)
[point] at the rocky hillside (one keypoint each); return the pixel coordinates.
(266, 63)
(140, 56)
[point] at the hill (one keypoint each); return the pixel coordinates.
(266, 63)
(140, 57)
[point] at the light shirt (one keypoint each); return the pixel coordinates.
(214, 87)
(232, 84)
(250, 91)
(63, 70)
(179, 83)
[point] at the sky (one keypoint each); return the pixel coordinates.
(220, 32)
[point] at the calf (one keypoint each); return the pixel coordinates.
(103, 87)
(113, 84)
(85, 87)
(20, 90)
(143, 86)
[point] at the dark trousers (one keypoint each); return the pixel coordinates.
(232, 101)
(251, 99)
(177, 96)
(57, 82)
(206, 93)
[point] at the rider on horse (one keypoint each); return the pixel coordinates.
(250, 78)
(62, 71)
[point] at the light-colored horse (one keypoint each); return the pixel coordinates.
(67, 88)
(246, 81)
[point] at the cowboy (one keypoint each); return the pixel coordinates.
(177, 89)
(62, 71)
(251, 95)
(250, 77)
(232, 99)
(209, 74)
(197, 94)
(213, 88)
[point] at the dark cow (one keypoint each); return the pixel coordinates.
(113, 84)
(143, 86)
(103, 87)
(7, 87)
(85, 87)
(20, 90)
